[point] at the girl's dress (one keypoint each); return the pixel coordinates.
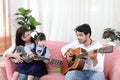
(35, 68)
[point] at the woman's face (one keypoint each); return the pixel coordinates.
(26, 37)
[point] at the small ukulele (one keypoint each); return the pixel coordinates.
(27, 59)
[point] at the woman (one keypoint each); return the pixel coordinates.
(36, 67)
(23, 37)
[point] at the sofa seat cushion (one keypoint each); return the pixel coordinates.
(53, 76)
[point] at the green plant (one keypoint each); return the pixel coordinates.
(110, 33)
(26, 20)
(118, 35)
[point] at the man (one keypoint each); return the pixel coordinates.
(93, 67)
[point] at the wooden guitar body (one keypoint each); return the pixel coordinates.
(74, 64)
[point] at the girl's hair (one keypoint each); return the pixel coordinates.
(19, 33)
(40, 36)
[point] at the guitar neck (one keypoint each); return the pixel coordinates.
(53, 61)
(102, 50)
(42, 58)
(107, 49)
(81, 55)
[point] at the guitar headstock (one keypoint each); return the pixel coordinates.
(107, 49)
(56, 62)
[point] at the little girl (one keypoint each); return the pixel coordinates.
(35, 68)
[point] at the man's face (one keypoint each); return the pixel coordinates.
(82, 38)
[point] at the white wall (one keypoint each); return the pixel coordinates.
(60, 17)
(14, 5)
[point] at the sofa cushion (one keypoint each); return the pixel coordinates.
(53, 76)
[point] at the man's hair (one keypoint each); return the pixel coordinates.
(85, 28)
(40, 36)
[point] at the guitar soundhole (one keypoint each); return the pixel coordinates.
(95, 51)
(73, 58)
(70, 63)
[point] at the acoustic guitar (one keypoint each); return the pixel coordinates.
(27, 59)
(78, 59)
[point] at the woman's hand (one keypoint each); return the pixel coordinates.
(18, 57)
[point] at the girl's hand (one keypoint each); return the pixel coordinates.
(32, 56)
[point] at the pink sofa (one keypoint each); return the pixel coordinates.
(111, 64)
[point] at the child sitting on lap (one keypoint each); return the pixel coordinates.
(36, 68)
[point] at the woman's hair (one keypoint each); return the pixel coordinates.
(40, 36)
(85, 28)
(19, 33)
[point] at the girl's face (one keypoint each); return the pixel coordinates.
(26, 37)
(41, 43)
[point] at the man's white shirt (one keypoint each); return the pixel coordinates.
(88, 62)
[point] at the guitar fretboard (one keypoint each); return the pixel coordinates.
(102, 50)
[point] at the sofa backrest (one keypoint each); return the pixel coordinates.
(55, 51)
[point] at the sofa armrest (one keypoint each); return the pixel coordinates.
(10, 67)
(111, 65)
(115, 72)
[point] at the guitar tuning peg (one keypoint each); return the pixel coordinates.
(110, 53)
(107, 53)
